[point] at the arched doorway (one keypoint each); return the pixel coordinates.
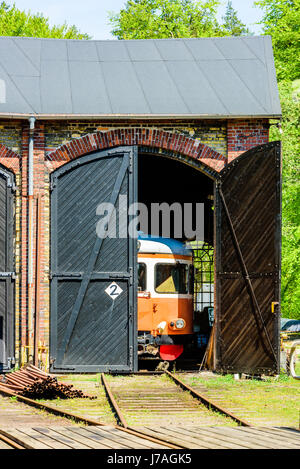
(246, 236)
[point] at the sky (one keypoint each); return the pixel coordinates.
(91, 16)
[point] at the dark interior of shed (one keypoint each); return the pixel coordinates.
(163, 179)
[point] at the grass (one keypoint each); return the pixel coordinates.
(96, 409)
(271, 401)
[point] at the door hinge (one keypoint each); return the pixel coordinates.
(52, 184)
(119, 276)
(130, 356)
(65, 274)
(130, 276)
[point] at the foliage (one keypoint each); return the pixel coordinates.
(282, 21)
(156, 19)
(232, 25)
(290, 137)
(14, 22)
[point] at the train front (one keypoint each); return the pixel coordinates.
(165, 297)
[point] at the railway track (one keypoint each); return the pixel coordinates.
(156, 442)
(152, 397)
(156, 410)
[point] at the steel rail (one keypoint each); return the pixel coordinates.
(123, 422)
(50, 409)
(113, 402)
(206, 401)
(7, 438)
(87, 421)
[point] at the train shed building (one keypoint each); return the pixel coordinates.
(182, 120)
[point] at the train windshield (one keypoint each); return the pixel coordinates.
(171, 278)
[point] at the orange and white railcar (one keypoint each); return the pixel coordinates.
(165, 297)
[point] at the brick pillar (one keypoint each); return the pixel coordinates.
(242, 135)
(28, 291)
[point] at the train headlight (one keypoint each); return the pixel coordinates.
(180, 324)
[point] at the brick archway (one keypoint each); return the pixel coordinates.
(155, 138)
(9, 159)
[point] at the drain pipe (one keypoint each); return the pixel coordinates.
(30, 239)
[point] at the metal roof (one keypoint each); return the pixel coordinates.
(199, 78)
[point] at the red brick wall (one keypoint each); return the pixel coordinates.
(51, 151)
(242, 135)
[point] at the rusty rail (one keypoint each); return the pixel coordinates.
(6, 438)
(123, 422)
(206, 401)
(113, 402)
(84, 420)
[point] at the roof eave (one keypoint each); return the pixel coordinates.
(137, 116)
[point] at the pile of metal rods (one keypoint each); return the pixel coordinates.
(34, 383)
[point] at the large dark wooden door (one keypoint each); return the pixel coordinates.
(93, 279)
(7, 274)
(248, 237)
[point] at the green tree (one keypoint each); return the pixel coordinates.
(290, 137)
(14, 22)
(155, 19)
(282, 21)
(231, 23)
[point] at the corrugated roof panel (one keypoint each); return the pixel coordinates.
(12, 98)
(159, 89)
(30, 86)
(123, 88)
(235, 49)
(234, 93)
(88, 88)
(254, 75)
(14, 60)
(205, 77)
(54, 49)
(55, 87)
(142, 50)
(188, 78)
(173, 50)
(205, 49)
(82, 50)
(31, 48)
(112, 51)
(256, 45)
(271, 84)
